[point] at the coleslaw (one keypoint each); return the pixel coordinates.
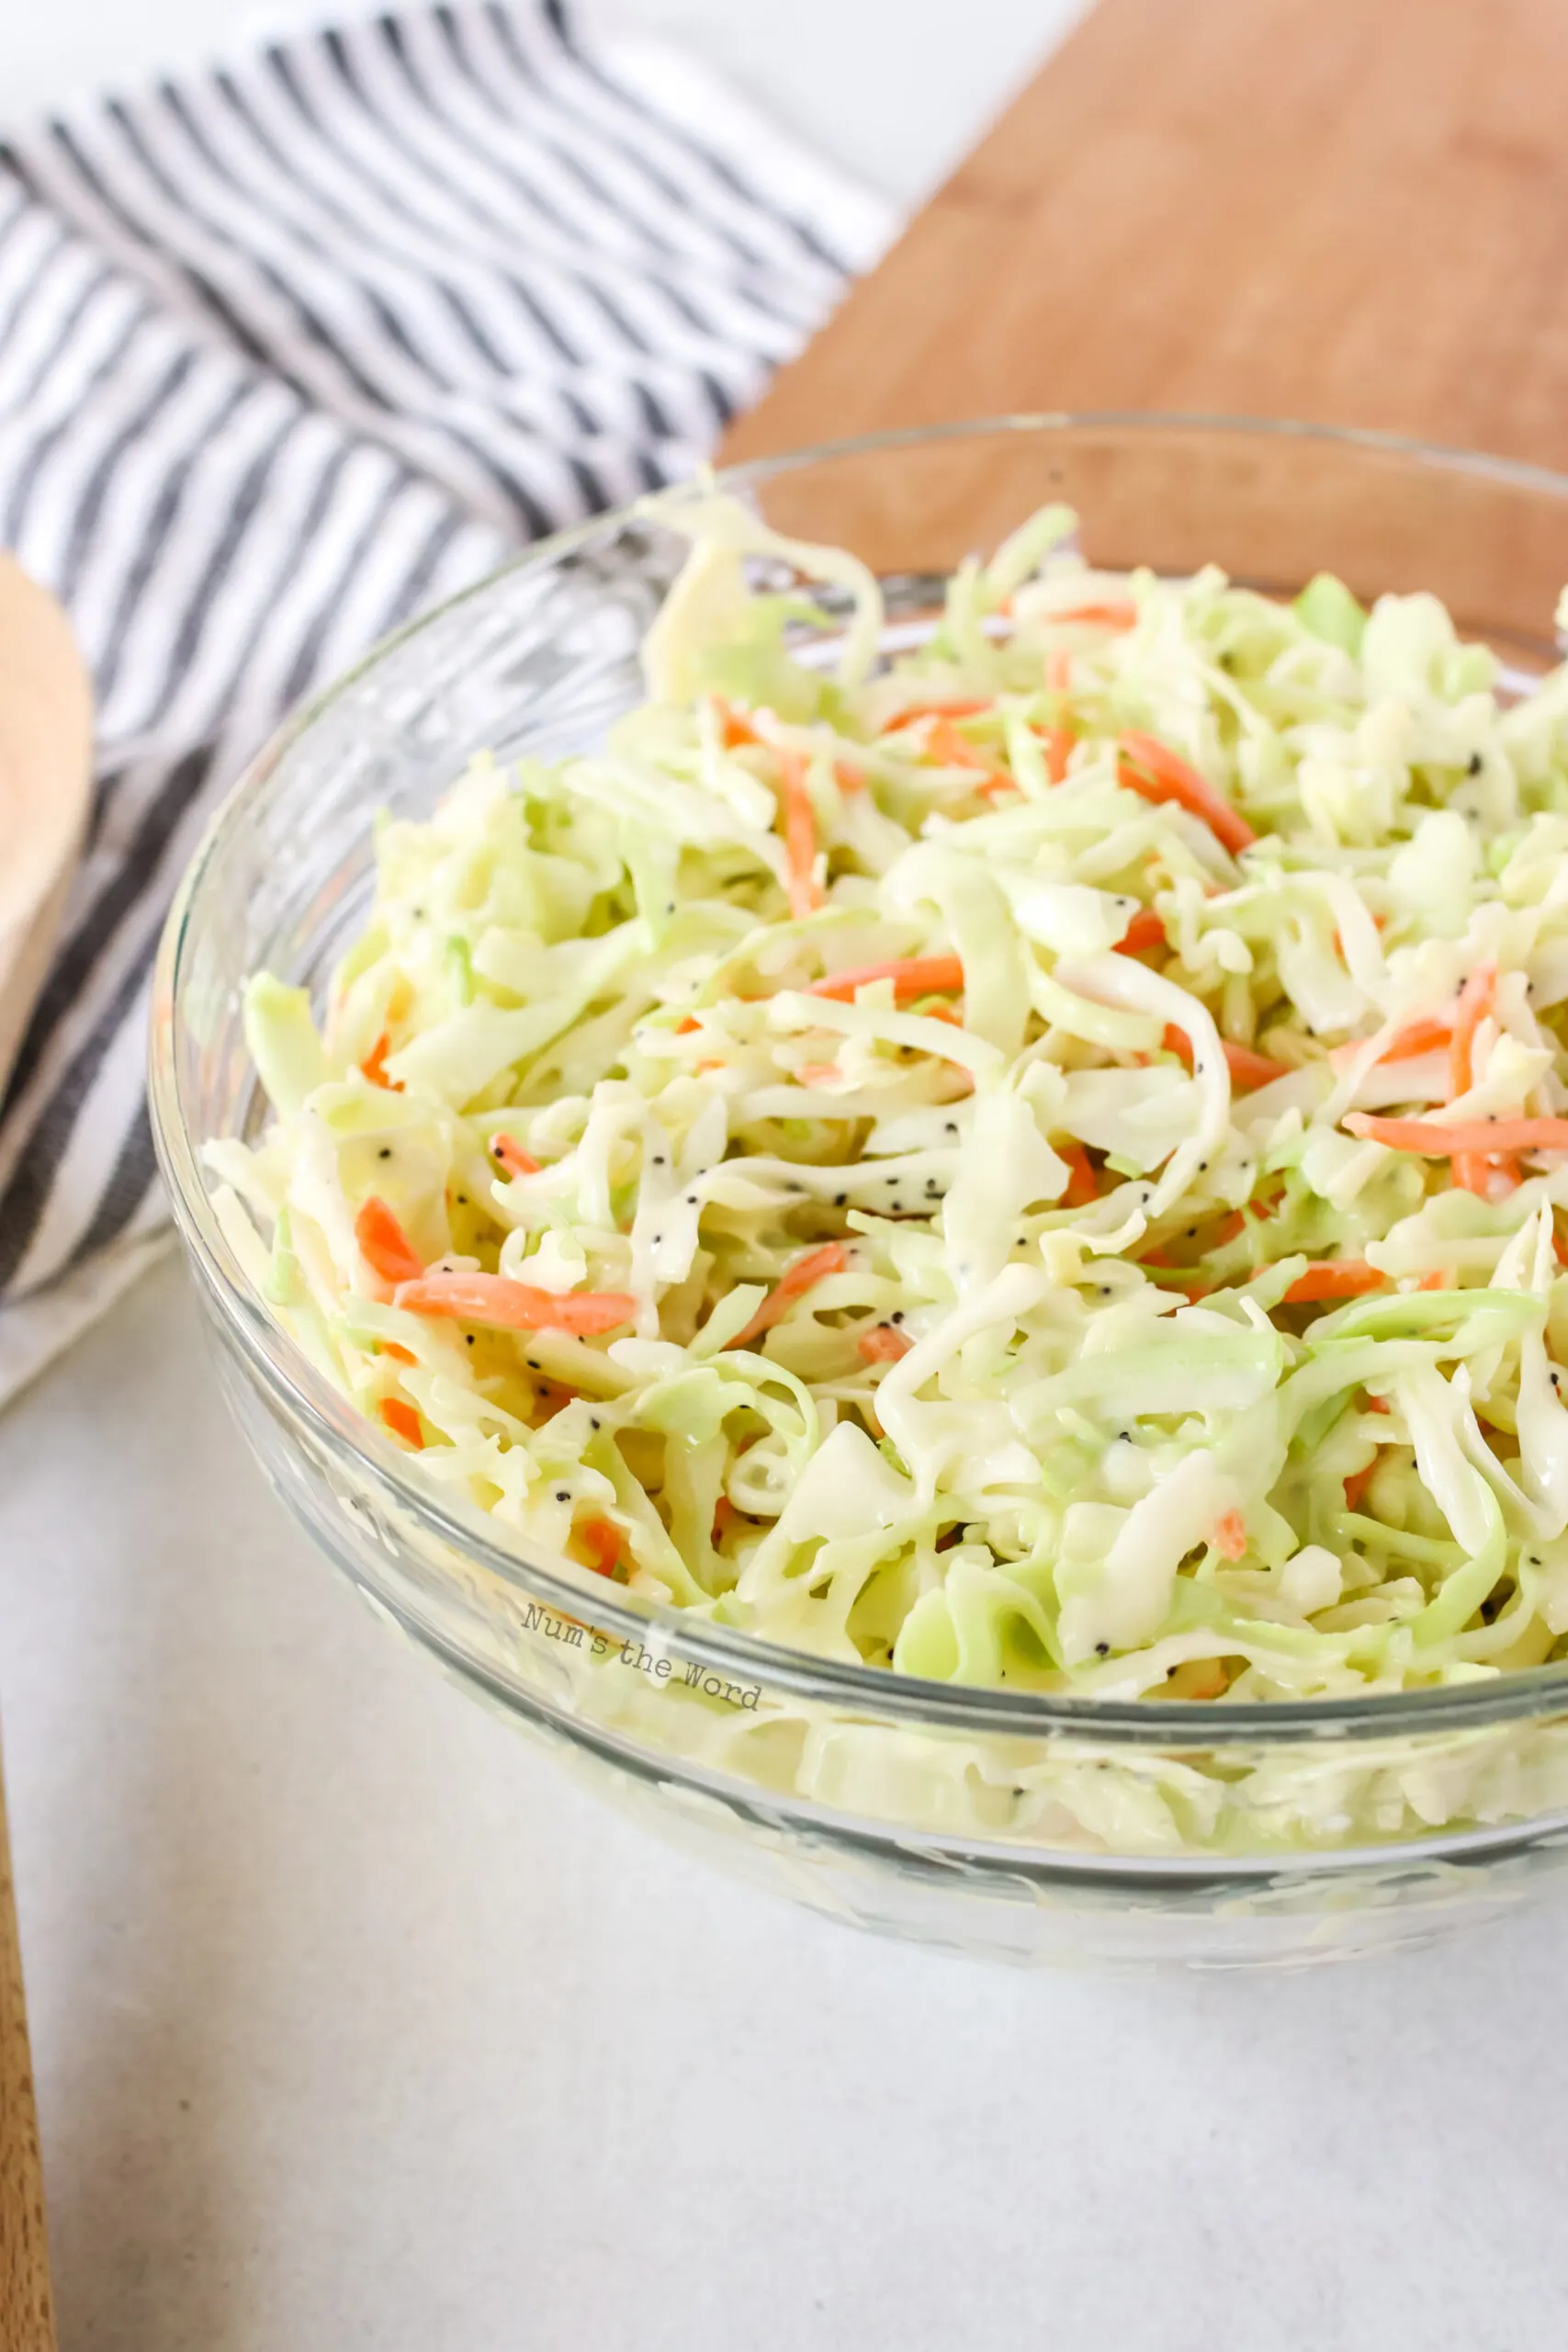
(1033, 1162)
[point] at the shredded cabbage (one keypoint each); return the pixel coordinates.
(888, 1155)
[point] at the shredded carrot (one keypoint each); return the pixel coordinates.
(600, 1539)
(1247, 1067)
(724, 1518)
(1559, 1248)
(1228, 1228)
(792, 1283)
(815, 1073)
(847, 777)
(1475, 1002)
(1436, 1280)
(402, 1421)
(800, 835)
(946, 745)
(512, 1155)
(1379, 1404)
(1436, 1141)
(735, 727)
(374, 1065)
(1146, 929)
(1151, 768)
(1476, 996)
(911, 975)
(882, 1344)
(399, 1355)
(384, 1246)
(1228, 1535)
(515, 1306)
(1117, 613)
(1057, 744)
(1334, 1278)
(1356, 1485)
(1083, 1186)
(1416, 1037)
(961, 707)
(1059, 670)
(684, 1026)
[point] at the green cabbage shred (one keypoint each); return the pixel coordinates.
(1069, 1403)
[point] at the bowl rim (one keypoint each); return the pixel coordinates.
(299, 1392)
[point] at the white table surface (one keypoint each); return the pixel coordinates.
(356, 2026)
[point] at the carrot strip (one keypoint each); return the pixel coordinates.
(724, 1518)
(1228, 1535)
(399, 1355)
(402, 1421)
(1436, 1141)
(945, 744)
(735, 727)
(847, 777)
(1116, 612)
(1057, 743)
(384, 1246)
(515, 1306)
(1356, 1485)
(1083, 1186)
(601, 1538)
(1247, 1067)
(374, 1065)
(1472, 1169)
(512, 1155)
(1334, 1278)
(800, 835)
(1146, 929)
(1559, 1248)
(960, 708)
(792, 1283)
(1475, 1002)
(1151, 768)
(882, 1344)
(1416, 1037)
(910, 975)
(1436, 1280)
(1059, 670)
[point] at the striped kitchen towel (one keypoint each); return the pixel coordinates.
(290, 349)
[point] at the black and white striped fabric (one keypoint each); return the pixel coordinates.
(289, 349)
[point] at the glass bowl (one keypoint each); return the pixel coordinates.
(1021, 1827)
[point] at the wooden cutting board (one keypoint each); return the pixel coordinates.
(1354, 212)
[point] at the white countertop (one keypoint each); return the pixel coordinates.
(356, 2026)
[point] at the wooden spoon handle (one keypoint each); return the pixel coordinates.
(26, 2304)
(46, 736)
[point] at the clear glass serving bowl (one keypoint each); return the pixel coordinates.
(1021, 1827)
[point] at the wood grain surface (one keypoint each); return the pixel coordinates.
(27, 2306)
(1353, 211)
